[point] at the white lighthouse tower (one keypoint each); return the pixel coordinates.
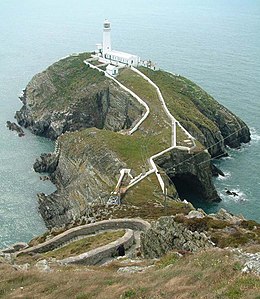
(106, 37)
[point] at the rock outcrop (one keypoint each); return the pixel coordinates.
(190, 171)
(14, 127)
(166, 234)
(250, 261)
(85, 173)
(46, 163)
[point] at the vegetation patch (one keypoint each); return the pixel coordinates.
(209, 274)
(235, 238)
(184, 98)
(201, 224)
(68, 80)
(223, 233)
(196, 110)
(169, 258)
(250, 224)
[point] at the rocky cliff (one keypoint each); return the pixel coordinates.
(69, 96)
(84, 173)
(84, 110)
(190, 171)
(87, 169)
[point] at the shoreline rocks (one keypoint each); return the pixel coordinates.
(46, 163)
(14, 127)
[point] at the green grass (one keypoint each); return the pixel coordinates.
(146, 200)
(183, 97)
(237, 238)
(86, 244)
(168, 259)
(133, 150)
(68, 80)
(157, 120)
(187, 102)
(202, 224)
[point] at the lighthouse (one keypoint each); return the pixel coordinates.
(112, 56)
(106, 37)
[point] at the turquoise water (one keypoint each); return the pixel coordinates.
(214, 43)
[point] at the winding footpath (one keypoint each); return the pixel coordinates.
(132, 229)
(174, 122)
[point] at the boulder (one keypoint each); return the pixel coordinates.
(47, 162)
(43, 266)
(195, 214)
(14, 127)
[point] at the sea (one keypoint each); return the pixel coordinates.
(214, 43)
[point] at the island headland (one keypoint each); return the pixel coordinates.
(131, 140)
(90, 117)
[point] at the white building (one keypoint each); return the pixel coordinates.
(113, 56)
(112, 70)
(122, 57)
(106, 37)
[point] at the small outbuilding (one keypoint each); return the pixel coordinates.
(112, 70)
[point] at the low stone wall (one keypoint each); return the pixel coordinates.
(87, 229)
(94, 256)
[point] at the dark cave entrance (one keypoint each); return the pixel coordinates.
(190, 188)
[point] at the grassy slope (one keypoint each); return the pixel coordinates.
(67, 81)
(183, 98)
(153, 136)
(210, 274)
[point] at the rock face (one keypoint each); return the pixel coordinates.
(166, 234)
(251, 261)
(190, 171)
(82, 175)
(69, 96)
(46, 163)
(14, 127)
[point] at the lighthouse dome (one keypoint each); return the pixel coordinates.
(106, 24)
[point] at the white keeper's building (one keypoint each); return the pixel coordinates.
(115, 57)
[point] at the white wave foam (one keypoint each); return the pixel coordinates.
(239, 197)
(229, 157)
(226, 177)
(254, 136)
